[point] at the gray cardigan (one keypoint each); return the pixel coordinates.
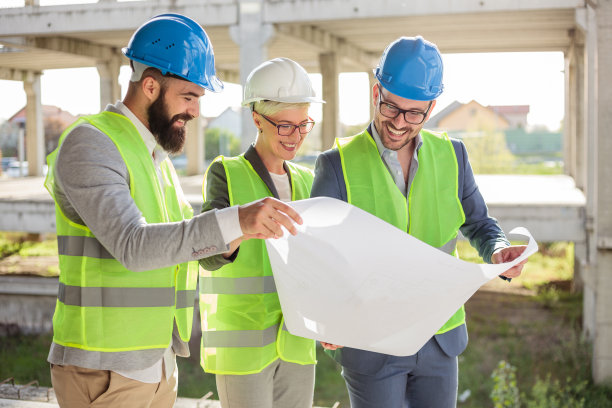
(92, 186)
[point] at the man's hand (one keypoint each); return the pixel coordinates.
(508, 254)
(329, 346)
(263, 218)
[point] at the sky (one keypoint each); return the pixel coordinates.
(534, 79)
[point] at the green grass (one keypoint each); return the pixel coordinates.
(48, 247)
(12, 243)
(25, 359)
(554, 262)
(193, 381)
(533, 323)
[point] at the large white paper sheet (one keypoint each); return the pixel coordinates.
(351, 279)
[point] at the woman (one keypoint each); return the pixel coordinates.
(257, 362)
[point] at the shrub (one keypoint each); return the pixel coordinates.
(505, 391)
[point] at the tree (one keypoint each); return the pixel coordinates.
(220, 141)
(53, 130)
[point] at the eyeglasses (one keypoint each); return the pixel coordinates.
(391, 111)
(287, 129)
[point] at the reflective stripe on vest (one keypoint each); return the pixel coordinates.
(433, 204)
(237, 286)
(240, 338)
(102, 306)
(115, 297)
(242, 325)
(81, 246)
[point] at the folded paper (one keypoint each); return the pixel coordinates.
(351, 279)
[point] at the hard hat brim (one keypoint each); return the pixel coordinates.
(294, 99)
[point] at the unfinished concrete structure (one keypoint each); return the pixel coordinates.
(333, 36)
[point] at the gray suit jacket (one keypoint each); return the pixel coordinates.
(482, 231)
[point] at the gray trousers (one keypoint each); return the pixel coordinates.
(279, 385)
(427, 379)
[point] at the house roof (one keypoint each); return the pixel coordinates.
(435, 120)
(510, 109)
(48, 111)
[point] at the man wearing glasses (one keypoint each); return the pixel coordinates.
(421, 182)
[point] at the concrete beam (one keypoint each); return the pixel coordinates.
(330, 71)
(109, 16)
(542, 219)
(226, 75)
(12, 74)
(35, 216)
(74, 46)
(321, 10)
(327, 42)
(63, 45)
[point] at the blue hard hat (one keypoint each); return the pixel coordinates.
(177, 45)
(411, 67)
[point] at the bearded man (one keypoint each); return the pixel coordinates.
(128, 243)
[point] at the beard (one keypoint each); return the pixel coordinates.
(411, 133)
(170, 138)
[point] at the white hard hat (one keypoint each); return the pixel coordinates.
(280, 80)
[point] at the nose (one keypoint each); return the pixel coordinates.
(399, 121)
(296, 131)
(194, 109)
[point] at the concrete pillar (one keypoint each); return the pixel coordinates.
(574, 145)
(252, 35)
(194, 146)
(574, 129)
(590, 188)
(110, 90)
(34, 130)
(602, 350)
(569, 131)
(330, 67)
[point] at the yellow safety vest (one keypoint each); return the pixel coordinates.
(243, 327)
(101, 305)
(433, 204)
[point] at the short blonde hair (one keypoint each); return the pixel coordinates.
(269, 108)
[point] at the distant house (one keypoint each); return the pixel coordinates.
(55, 121)
(467, 119)
(49, 113)
(516, 115)
(473, 119)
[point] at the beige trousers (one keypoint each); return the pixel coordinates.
(77, 387)
(279, 385)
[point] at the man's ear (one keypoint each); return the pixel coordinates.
(150, 88)
(375, 91)
(433, 105)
